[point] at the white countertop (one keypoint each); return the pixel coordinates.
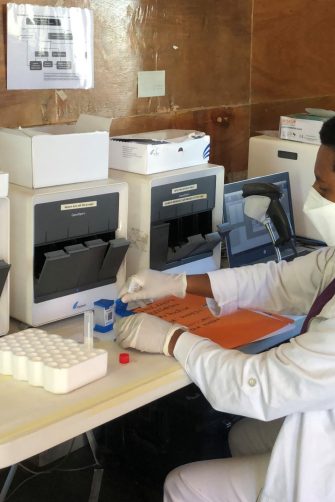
(33, 420)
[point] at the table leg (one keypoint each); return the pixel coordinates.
(93, 445)
(8, 482)
(96, 484)
(96, 481)
(98, 471)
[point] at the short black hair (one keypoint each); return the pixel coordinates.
(327, 133)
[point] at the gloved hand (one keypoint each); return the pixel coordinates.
(152, 285)
(145, 332)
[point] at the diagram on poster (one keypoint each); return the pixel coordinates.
(49, 47)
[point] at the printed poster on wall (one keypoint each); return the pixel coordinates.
(49, 47)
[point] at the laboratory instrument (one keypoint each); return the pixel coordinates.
(173, 218)
(270, 155)
(68, 246)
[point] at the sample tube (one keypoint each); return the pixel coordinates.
(88, 329)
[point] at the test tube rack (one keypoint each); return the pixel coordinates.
(51, 361)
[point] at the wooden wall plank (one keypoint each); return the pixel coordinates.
(293, 50)
(204, 46)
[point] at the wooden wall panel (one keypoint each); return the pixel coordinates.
(293, 53)
(204, 47)
(211, 84)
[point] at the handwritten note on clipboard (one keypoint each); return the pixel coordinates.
(230, 331)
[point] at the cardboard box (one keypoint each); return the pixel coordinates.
(157, 151)
(304, 127)
(53, 155)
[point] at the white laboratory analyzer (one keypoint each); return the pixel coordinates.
(68, 245)
(173, 217)
(4, 254)
(269, 155)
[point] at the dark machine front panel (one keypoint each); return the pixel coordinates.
(181, 222)
(75, 245)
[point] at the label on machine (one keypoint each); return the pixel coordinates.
(183, 200)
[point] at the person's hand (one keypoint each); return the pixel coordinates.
(152, 285)
(145, 332)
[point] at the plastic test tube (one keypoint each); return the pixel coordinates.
(88, 329)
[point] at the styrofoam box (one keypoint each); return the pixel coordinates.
(3, 184)
(53, 155)
(44, 360)
(157, 151)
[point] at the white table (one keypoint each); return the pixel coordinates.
(33, 420)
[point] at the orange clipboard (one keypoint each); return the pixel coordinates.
(230, 331)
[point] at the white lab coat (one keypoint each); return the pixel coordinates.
(296, 379)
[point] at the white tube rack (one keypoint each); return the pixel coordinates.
(58, 364)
